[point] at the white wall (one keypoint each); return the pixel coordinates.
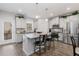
(6, 17)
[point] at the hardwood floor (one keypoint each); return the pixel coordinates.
(16, 50)
(12, 50)
(60, 49)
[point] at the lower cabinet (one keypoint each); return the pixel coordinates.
(19, 37)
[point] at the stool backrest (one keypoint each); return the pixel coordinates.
(42, 38)
(54, 35)
(73, 42)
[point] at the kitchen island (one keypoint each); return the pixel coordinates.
(28, 43)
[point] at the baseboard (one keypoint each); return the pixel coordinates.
(10, 42)
(63, 42)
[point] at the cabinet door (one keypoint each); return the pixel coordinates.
(29, 27)
(19, 37)
(23, 23)
(20, 23)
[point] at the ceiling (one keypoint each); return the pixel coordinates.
(44, 10)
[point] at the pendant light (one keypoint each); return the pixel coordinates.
(46, 9)
(37, 8)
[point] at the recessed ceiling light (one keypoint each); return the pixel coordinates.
(68, 9)
(37, 16)
(46, 19)
(20, 10)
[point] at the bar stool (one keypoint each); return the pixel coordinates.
(51, 38)
(48, 40)
(75, 47)
(40, 44)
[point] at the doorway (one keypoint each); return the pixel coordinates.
(7, 31)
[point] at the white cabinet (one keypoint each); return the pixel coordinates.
(20, 23)
(19, 37)
(28, 45)
(29, 27)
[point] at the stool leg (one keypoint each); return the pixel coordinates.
(45, 47)
(54, 43)
(49, 45)
(39, 50)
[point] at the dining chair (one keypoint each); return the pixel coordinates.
(75, 47)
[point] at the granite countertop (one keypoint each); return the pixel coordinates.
(31, 35)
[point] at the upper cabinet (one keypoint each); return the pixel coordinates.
(20, 25)
(20, 22)
(23, 25)
(29, 25)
